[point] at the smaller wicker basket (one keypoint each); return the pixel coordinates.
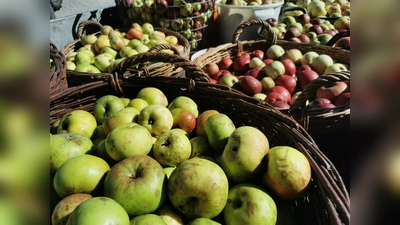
(58, 77)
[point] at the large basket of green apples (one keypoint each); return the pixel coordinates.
(58, 77)
(284, 68)
(186, 150)
(93, 56)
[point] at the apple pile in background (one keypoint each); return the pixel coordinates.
(277, 76)
(102, 53)
(248, 2)
(146, 160)
(320, 8)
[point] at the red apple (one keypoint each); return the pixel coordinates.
(303, 67)
(288, 82)
(211, 80)
(241, 64)
(303, 18)
(220, 74)
(290, 67)
(257, 73)
(134, 33)
(211, 69)
(291, 33)
(316, 21)
(250, 85)
(183, 119)
(324, 106)
(304, 38)
(225, 64)
(316, 29)
(343, 99)
(332, 32)
(267, 61)
(280, 105)
(332, 92)
(257, 53)
(273, 97)
(318, 101)
(281, 90)
(305, 77)
(295, 39)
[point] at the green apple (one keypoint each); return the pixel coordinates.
(151, 43)
(152, 96)
(168, 170)
(260, 96)
(54, 126)
(87, 69)
(125, 100)
(229, 79)
(296, 25)
(171, 148)
(267, 83)
(288, 172)
(138, 104)
(134, 43)
(142, 179)
(101, 152)
(275, 52)
(170, 215)
(123, 142)
(124, 50)
(198, 188)
(103, 61)
(274, 69)
(183, 119)
(342, 23)
(244, 198)
(83, 58)
(101, 41)
(288, 20)
(294, 54)
(200, 147)
(243, 154)
(321, 62)
(99, 211)
(336, 67)
(147, 219)
(218, 128)
(87, 49)
(117, 42)
(256, 62)
(142, 48)
(78, 121)
(71, 56)
(70, 65)
(131, 52)
(147, 28)
(306, 27)
(158, 35)
(98, 135)
(88, 39)
(109, 50)
(308, 58)
(157, 119)
(112, 67)
(324, 38)
(80, 174)
(106, 29)
(125, 115)
(203, 221)
(106, 106)
(66, 146)
(66, 206)
(185, 103)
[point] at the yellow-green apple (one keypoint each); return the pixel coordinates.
(321, 62)
(293, 54)
(113, 65)
(281, 90)
(83, 58)
(99, 210)
(243, 154)
(138, 104)
(297, 25)
(250, 85)
(88, 39)
(101, 152)
(203, 221)
(125, 100)
(183, 119)
(78, 121)
(171, 148)
(142, 48)
(70, 65)
(346, 12)
(114, 32)
(305, 77)
(103, 61)
(131, 52)
(123, 142)
(124, 50)
(218, 128)
(101, 41)
(274, 69)
(342, 23)
(198, 188)
(317, 9)
(287, 172)
(168, 170)
(200, 147)
(273, 97)
(241, 64)
(336, 67)
(87, 69)
(134, 43)
(142, 179)
(200, 121)
(106, 29)
(148, 218)
(308, 58)
(185, 103)
(157, 35)
(334, 8)
(106, 106)
(260, 96)
(306, 27)
(157, 119)
(228, 80)
(66, 146)
(256, 62)
(303, 3)
(117, 42)
(147, 28)
(170, 215)
(342, 99)
(125, 115)
(288, 20)
(290, 67)
(332, 92)
(80, 174)
(225, 64)
(295, 96)
(171, 39)
(247, 197)
(109, 50)
(71, 56)
(152, 96)
(324, 38)
(126, 40)
(267, 83)
(66, 206)
(288, 82)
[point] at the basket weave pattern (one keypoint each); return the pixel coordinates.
(58, 77)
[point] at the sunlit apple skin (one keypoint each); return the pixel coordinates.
(332, 92)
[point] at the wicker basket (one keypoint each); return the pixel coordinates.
(157, 69)
(58, 77)
(326, 202)
(315, 121)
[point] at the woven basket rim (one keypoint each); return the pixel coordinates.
(58, 77)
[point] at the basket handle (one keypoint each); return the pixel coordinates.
(256, 22)
(294, 8)
(160, 47)
(311, 88)
(192, 70)
(83, 24)
(336, 37)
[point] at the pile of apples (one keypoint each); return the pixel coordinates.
(102, 53)
(320, 8)
(277, 76)
(148, 160)
(248, 2)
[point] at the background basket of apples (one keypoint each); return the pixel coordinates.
(191, 18)
(191, 152)
(94, 56)
(277, 72)
(58, 70)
